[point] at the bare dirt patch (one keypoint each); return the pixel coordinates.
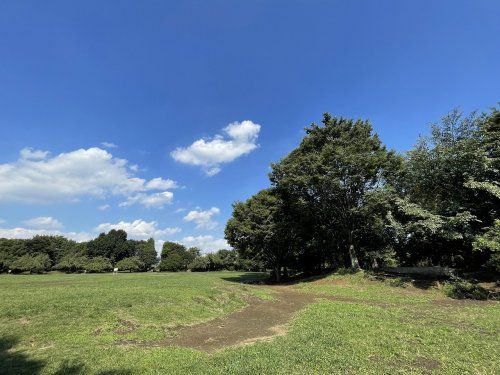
(126, 326)
(259, 321)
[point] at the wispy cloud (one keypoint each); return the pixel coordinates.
(108, 145)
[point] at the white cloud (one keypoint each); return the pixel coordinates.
(157, 200)
(44, 222)
(203, 219)
(29, 153)
(103, 207)
(207, 244)
(108, 145)
(37, 178)
(139, 229)
(241, 139)
(159, 183)
(29, 233)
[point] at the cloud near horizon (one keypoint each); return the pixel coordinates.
(240, 139)
(44, 222)
(38, 178)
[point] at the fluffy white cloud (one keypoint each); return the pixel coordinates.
(108, 145)
(38, 178)
(138, 229)
(29, 233)
(157, 200)
(104, 207)
(207, 244)
(240, 139)
(203, 219)
(44, 222)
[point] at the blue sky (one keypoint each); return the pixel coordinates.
(96, 97)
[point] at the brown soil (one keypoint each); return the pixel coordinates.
(126, 326)
(260, 320)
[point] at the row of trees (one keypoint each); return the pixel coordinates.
(43, 253)
(113, 249)
(176, 257)
(343, 199)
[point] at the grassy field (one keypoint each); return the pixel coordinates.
(102, 324)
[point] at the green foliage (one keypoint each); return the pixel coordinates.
(132, 264)
(72, 263)
(200, 264)
(341, 199)
(112, 245)
(99, 264)
(462, 289)
(175, 257)
(10, 250)
(223, 259)
(31, 263)
(173, 262)
(489, 241)
(330, 173)
(147, 253)
(258, 230)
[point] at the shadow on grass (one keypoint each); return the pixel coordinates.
(12, 362)
(263, 278)
(18, 363)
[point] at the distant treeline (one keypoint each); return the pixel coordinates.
(342, 199)
(109, 250)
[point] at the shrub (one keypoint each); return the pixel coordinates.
(31, 263)
(72, 263)
(462, 289)
(99, 264)
(199, 264)
(173, 263)
(132, 264)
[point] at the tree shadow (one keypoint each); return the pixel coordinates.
(400, 280)
(70, 368)
(249, 278)
(264, 278)
(15, 362)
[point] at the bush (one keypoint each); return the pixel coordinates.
(31, 263)
(462, 289)
(173, 262)
(72, 263)
(199, 264)
(132, 264)
(99, 264)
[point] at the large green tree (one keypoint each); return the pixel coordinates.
(329, 174)
(147, 253)
(449, 190)
(112, 245)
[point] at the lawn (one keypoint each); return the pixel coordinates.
(105, 324)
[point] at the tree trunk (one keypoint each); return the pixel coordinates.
(277, 274)
(354, 257)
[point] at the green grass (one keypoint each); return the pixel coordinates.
(79, 324)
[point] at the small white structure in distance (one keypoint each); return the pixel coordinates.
(115, 270)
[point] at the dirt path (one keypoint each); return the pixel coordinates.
(260, 320)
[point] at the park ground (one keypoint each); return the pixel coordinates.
(229, 323)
